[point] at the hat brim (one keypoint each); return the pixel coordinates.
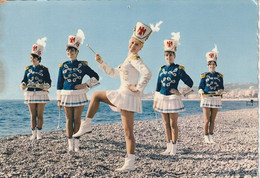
(71, 46)
(35, 54)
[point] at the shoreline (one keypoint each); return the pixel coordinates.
(119, 121)
(149, 99)
(223, 99)
(235, 152)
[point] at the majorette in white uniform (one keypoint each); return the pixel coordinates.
(129, 71)
(168, 79)
(211, 84)
(37, 78)
(71, 74)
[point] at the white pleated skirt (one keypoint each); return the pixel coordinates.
(211, 102)
(73, 98)
(125, 99)
(168, 103)
(36, 97)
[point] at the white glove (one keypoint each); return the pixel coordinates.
(201, 91)
(45, 86)
(219, 92)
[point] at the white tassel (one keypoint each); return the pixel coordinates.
(81, 35)
(42, 41)
(176, 36)
(156, 27)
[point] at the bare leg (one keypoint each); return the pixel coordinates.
(40, 110)
(32, 109)
(206, 114)
(167, 126)
(85, 125)
(213, 116)
(77, 117)
(128, 125)
(97, 97)
(69, 120)
(174, 126)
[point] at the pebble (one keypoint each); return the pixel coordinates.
(235, 153)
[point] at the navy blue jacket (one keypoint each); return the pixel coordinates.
(37, 75)
(211, 82)
(71, 74)
(169, 77)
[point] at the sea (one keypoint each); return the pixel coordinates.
(15, 115)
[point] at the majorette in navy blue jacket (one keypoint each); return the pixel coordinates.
(169, 77)
(36, 75)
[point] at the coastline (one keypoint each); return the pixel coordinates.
(235, 152)
(151, 99)
(223, 99)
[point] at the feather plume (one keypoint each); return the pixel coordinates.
(81, 35)
(42, 41)
(176, 36)
(156, 27)
(215, 49)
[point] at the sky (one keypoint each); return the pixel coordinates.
(108, 26)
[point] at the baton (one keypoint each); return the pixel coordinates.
(58, 127)
(91, 48)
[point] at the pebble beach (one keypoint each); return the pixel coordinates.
(235, 153)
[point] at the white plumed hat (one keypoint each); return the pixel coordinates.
(76, 40)
(171, 44)
(142, 31)
(38, 48)
(212, 55)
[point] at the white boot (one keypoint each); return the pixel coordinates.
(76, 145)
(39, 134)
(206, 139)
(85, 127)
(173, 149)
(129, 163)
(34, 133)
(70, 141)
(211, 139)
(168, 149)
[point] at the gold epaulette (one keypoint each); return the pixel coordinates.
(181, 67)
(161, 68)
(61, 64)
(221, 75)
(203, 75)
(26, 68)
(135, 57)
(85, 63)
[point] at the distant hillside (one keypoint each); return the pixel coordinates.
(235, 91)
(233, 86)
